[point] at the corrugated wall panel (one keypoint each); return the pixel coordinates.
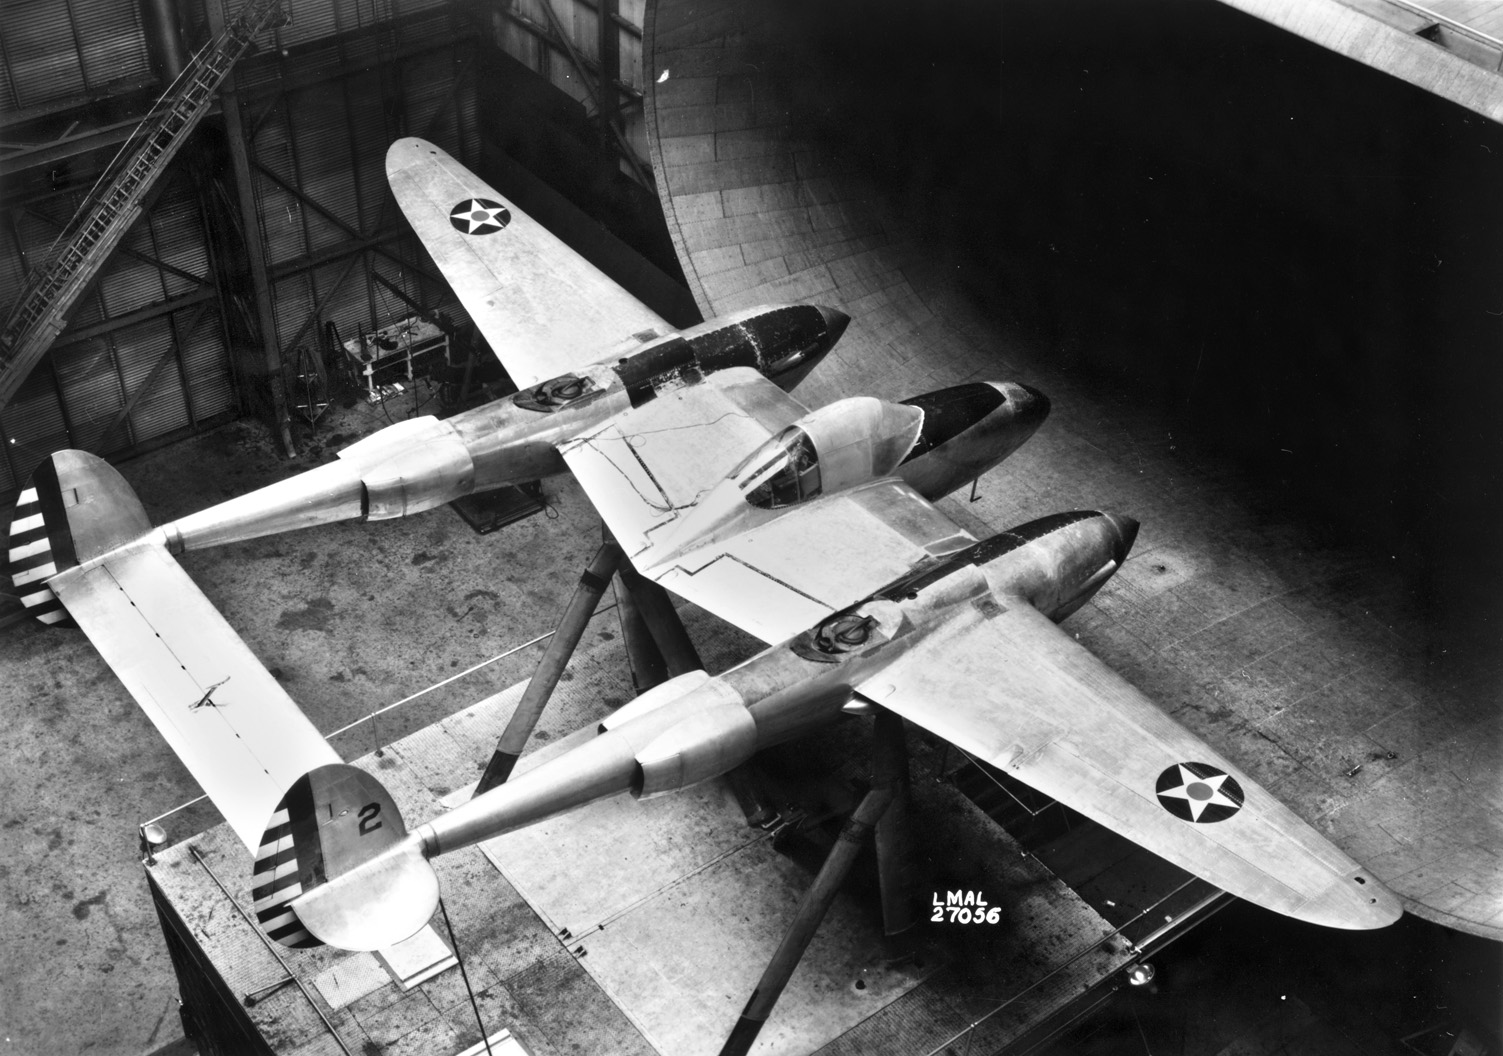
(348, 305)
(320, 127)
(431, 112)
(127, 283)
(34, 424)
(91, 388)
(293, 301)
(161, 409)
(368, 126)
(208, 365)
(407, 7)
(281, 212)
(112, 40)
(39, 43)
(311, 20)
(178, 236)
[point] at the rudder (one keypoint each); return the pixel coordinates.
(333, 820)
(75, 507)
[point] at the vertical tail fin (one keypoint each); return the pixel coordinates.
(333, 821)
(74, 508)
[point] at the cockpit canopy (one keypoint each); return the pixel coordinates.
(846, 443)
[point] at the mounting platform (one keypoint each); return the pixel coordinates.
(630, 927)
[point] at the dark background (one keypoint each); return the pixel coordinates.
(1294, 258)
(1296, 262)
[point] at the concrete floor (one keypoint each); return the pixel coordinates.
(350, 618)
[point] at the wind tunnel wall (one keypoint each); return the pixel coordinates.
(1216, 248)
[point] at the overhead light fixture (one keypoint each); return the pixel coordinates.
(1141, 974)
(662, 76)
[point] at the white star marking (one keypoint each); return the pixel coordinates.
(1200, 792)
(473, 216)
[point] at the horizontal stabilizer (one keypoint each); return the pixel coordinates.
(229, 721)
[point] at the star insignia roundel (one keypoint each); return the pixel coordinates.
(1199, 792)
(479, 216)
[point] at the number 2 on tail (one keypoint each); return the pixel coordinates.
(369, 820)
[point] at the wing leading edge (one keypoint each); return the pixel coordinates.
(1008, 686)
(543, 308)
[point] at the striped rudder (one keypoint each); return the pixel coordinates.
(333, 820)
(74, 508)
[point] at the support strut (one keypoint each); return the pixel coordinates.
(806, 920)
(648, 668)
(901, 915)
(551, 667)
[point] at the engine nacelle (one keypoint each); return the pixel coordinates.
(716, 738)
(1055, 563)
(967, 430)
(659, 695)
(410, 467)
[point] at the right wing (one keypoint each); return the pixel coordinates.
(543, 308)
(1006, 685)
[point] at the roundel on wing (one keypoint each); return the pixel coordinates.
(479, 216)
(1199, 792)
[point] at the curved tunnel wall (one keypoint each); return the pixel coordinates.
(1176, 228)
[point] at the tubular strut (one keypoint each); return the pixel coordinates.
(551, 667)
(885, 800)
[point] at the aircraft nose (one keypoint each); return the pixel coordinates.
(835, 322)
(1127, 534)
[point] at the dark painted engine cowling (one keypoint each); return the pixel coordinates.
(1056, 563)
(782, 342)
(967, 430)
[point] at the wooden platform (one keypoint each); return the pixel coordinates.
(633, 927)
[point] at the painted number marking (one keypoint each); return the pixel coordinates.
(369, 821)
(963, 907)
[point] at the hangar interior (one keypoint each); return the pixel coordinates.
(1256, 278)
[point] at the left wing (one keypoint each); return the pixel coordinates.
(1005, 684)
(649, 465)
(543, 308)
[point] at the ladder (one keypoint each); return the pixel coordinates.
(116, 200)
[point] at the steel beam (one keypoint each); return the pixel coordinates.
(140, 315)
(271, 354)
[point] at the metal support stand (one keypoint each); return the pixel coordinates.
(884, 812)
(662, 620)
(806, 919)
(901, 915)
(648, 668)
(551, 667)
